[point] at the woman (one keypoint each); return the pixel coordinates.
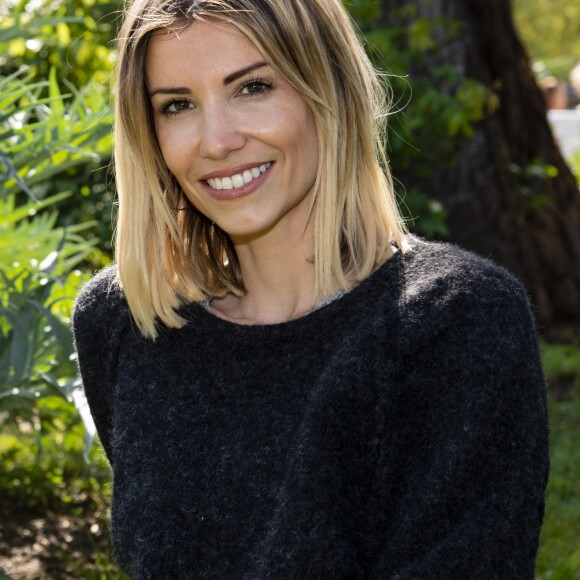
(287, 385)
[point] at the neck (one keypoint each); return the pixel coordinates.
(278, 273)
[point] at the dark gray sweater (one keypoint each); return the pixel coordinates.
(398, 432)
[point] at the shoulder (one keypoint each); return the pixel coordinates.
(101, 302)
(102, 291)
(446, 285)
(438, 267)
(443, 273)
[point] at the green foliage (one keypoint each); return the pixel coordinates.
(551, 32)
(528, 177)
(46, 480)
(559, 555)
(434, 108)
(45, 136)
(36, 354)
(52, 138)
(562, 364)
(75, 38)
(43, 133)
(574, 163)
(417, 204)
(53, 143)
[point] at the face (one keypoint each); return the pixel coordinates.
(240, 140)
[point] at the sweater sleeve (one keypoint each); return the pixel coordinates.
(100, 318)
(469, 485)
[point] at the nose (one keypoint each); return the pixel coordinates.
(219, 134)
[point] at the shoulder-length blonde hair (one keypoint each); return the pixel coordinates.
(167, 256)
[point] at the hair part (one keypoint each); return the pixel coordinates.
(167, 252)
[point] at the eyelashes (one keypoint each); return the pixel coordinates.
(173, 107)
(253, 87)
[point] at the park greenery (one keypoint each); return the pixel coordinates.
(550, 29)
(56, 215)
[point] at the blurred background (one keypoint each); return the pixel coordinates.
(484, 143)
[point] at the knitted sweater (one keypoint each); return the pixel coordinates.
(398, 432)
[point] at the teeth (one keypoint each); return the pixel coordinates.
(239, 179)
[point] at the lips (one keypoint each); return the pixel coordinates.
(238, 179)
(235, 182)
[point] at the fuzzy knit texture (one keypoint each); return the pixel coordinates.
(398, 432)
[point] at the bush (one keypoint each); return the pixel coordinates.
(426, 127)
(42, 135)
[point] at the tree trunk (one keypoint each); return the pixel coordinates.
(531, 225)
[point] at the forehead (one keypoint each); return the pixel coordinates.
(206, 47)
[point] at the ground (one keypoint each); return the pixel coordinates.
(40, 544)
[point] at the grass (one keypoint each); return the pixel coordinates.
(559, 555)
(54, 506)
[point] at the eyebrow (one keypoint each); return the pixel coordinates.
(244, 71)
(229, 79)
(170, 91)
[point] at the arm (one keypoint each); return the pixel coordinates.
(100, 318)
(469, 489)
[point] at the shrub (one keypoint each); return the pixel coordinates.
(42, 134)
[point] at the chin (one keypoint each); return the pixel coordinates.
(245, 235)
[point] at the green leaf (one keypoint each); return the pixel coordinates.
(30, 29)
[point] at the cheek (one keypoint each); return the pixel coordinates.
(174, 146)
(165, 142)
(294, 129)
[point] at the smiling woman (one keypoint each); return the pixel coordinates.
(204, 95)
(244, 149)
(286, 384)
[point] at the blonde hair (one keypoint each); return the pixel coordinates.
(167, 256)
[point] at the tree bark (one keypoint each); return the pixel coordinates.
(529, 225)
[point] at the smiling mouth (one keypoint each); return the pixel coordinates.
(239, 179)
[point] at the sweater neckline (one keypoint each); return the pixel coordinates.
(328, 308)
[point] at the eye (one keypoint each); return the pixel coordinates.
(255, 88)
(176, 107)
